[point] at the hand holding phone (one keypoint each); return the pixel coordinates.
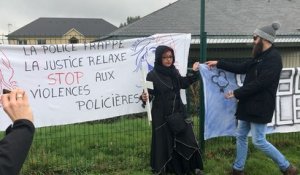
(16, 104)
(6, 91)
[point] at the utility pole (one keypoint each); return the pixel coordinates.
(203, 46)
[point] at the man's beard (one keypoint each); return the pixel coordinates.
(257, 49)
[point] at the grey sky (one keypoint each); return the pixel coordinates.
(21, 12)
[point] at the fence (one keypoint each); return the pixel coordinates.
(121, 145)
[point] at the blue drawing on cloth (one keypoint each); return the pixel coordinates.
(220, 80)
(219, 111)
(142, 49)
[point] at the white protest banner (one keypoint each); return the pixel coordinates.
(72, 83)
(219, 112)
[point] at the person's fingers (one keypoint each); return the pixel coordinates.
(5, 100)
(145, 96)
(19, 94)
(211, 63)
(230, 94)
(196, 66)
(16, 105)
(25, 97)
(13, 96)
(208, 63)
(6, 103)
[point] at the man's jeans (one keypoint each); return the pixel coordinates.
(258, 132)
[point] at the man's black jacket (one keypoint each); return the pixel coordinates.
(257, 96)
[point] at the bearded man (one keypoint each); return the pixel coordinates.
(257, 98)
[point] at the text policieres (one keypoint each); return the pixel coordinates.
(112, 101)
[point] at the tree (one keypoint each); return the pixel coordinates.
(130, 19)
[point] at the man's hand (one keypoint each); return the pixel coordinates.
(211, 64)
(230, 94)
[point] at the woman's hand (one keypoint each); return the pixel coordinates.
(145, 96)
(16, 105)
(196, 66)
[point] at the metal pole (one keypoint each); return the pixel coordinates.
(203, 46)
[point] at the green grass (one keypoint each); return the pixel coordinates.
(219, 160)
(121, 146)
(110, 147)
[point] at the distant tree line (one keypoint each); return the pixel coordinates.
(130, 19)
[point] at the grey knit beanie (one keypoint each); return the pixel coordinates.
(268, 32)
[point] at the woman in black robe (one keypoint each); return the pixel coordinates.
(170, 152)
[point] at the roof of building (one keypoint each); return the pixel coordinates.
(223, 17)
(60, 26)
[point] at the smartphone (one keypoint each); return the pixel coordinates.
(6, 91)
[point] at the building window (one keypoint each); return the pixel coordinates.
(22, 42)
(73, 40)
(41, 41)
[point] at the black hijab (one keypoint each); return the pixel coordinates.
(171, 71)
